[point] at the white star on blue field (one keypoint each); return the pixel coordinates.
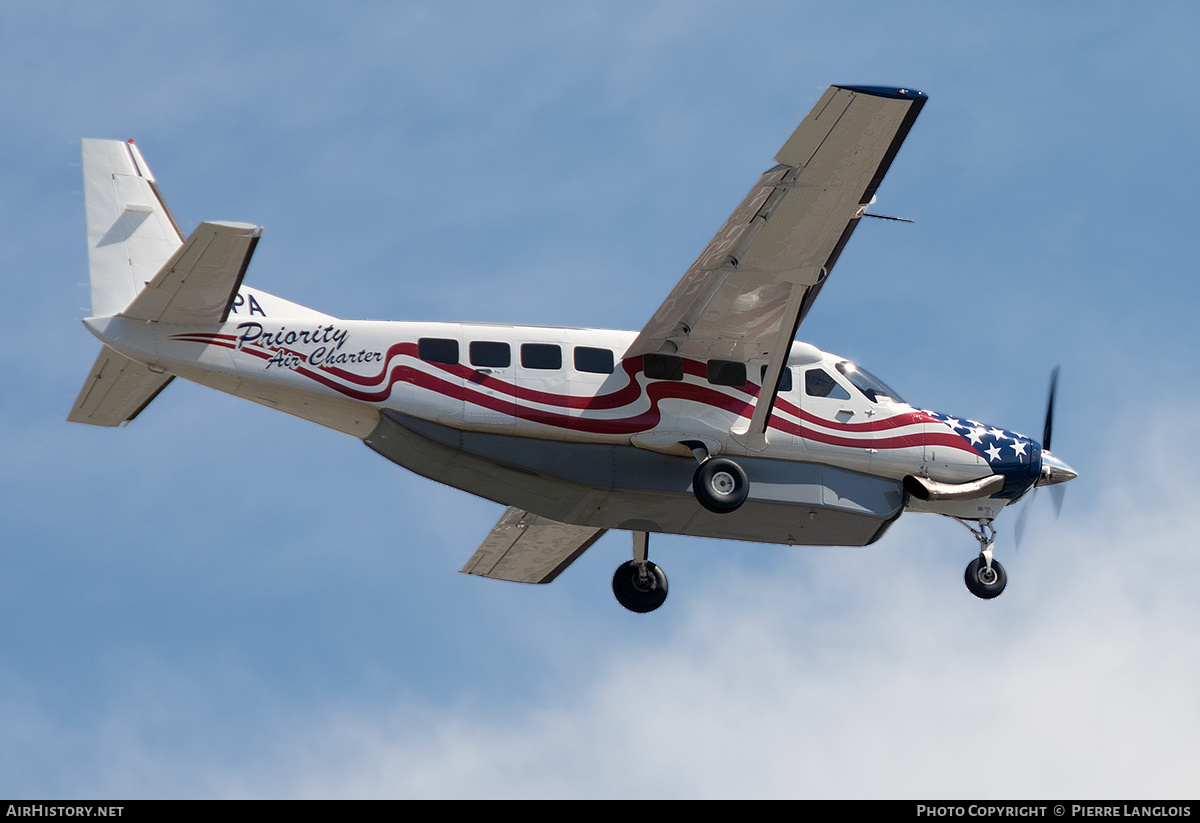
(986, 441)
(222, 601)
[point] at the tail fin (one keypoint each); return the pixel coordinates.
(141, 267)
(131, 232)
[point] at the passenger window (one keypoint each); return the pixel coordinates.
(437, 350)
(662, 367)
(726, 373)
(491, 355)
(785, 384)
(818, 383)
(596, 361)
(541, 356)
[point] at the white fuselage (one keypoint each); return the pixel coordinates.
(550, 384)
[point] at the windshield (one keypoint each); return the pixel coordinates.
(867, 383)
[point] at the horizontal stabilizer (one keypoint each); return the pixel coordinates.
(526, 548)
(197, 286)
(116, 390)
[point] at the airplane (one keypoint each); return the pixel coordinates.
(711, 421)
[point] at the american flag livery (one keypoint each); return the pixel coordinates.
(1008, 453)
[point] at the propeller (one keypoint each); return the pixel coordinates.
(1054, 471)
(1048, 429)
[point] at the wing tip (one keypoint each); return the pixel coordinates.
(894, 92)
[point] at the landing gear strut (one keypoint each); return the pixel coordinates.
(985, 577)
(639, 585)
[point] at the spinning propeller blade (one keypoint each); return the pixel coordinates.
(1049, 427)
(1023, 518)
(1054, 471)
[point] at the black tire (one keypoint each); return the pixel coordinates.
(635, 594)
(978, 581)
(720, 485)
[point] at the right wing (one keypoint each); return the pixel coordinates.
(746, 295)
(527, 548)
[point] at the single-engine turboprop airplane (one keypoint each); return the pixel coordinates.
(711, 421)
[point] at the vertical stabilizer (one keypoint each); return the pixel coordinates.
(131, 233)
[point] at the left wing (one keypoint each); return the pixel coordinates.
(746, 295)
(527, 548)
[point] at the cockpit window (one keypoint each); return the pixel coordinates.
(820, 383)
(867, 383)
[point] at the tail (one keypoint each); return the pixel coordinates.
(140, 266)
(131, 232)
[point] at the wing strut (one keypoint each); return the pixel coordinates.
(755, 436)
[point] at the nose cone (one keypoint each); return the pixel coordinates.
(1055, 471)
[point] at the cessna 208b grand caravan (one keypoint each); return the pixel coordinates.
(711, 421)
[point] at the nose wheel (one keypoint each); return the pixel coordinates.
(985, 581)
(985, 577)
(639, 585)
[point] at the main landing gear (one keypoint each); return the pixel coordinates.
(720, 485)
(639, 585)
(985, 577)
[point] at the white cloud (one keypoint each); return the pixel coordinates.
(843, 673)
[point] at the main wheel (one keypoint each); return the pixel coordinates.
(720, 485)
(638, 594)
(984, 583)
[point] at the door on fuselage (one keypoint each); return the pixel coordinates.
(437, 383)
(834, 415)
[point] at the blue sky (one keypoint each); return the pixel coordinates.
(220, 601)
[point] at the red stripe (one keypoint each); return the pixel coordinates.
(632, 391)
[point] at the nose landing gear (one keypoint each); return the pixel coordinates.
(985, 577)
(985, 581)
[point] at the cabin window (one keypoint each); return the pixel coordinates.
(785, 384)
(662, 367)
(595, 361)
(437, 350)
(820, 383)
(541, 356)
(726, 373)
(490, 355)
